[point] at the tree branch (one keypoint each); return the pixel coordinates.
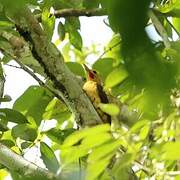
(41, 83)
(18, 164)
(76, 13)
(160, 29)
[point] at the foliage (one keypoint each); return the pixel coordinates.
(141, 76)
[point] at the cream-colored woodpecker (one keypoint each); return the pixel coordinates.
(94, 90)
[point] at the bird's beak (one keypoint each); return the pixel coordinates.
(86, 68)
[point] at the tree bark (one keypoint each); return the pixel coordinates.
(76, 13)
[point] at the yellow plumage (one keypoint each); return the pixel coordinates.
(94, 91)
(90, 87)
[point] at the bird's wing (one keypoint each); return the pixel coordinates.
(102, 94)
(106, 118)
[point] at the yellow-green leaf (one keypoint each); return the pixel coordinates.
(104, 150)
(110, 109)
(171, 151)
(78, 135)
(116, 77)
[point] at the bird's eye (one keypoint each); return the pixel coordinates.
(94, 72)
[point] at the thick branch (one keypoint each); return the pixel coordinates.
(12, 53)
(53, 63)
(18, 164)
(76, 13)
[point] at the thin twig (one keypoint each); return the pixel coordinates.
(41, 83)
(160, 29)
(144, 169)
(109, 49)
(31, 73)
(10, 65)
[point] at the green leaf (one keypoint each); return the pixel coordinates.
(171, 151)
(56, 110)
(78, 135)
(13, 116)
(25, 101)
(72, 23)
(61, 31)
(95, 169)
(25, 132)
(116, 77)
(114, 50)
(1, 7)
(49, 157)
(72, 3)
(6, 45)
(172, 6)
(6, 59)
(144, 132)
(177, 177)
(168, 29)
(111, 109)
(104, 150)
(73, 153)
(176, 23)
(7, 135)
(48, 22)
(83, 143)
(104, 66)
(94, 140)
(76, 68)
(33, 102)
(58, 135)
(5, 25)
(7, 142)
(125, 160)
(139, 125)
(119, 171)
(91, 4)
(25, 144)
(66, 51)
(13, 7)
(3, 125)
(76, 39)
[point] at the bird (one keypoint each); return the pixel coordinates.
(93, 87)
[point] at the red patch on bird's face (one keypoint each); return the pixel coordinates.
(91, 75)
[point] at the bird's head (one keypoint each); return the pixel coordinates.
(92, 75)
